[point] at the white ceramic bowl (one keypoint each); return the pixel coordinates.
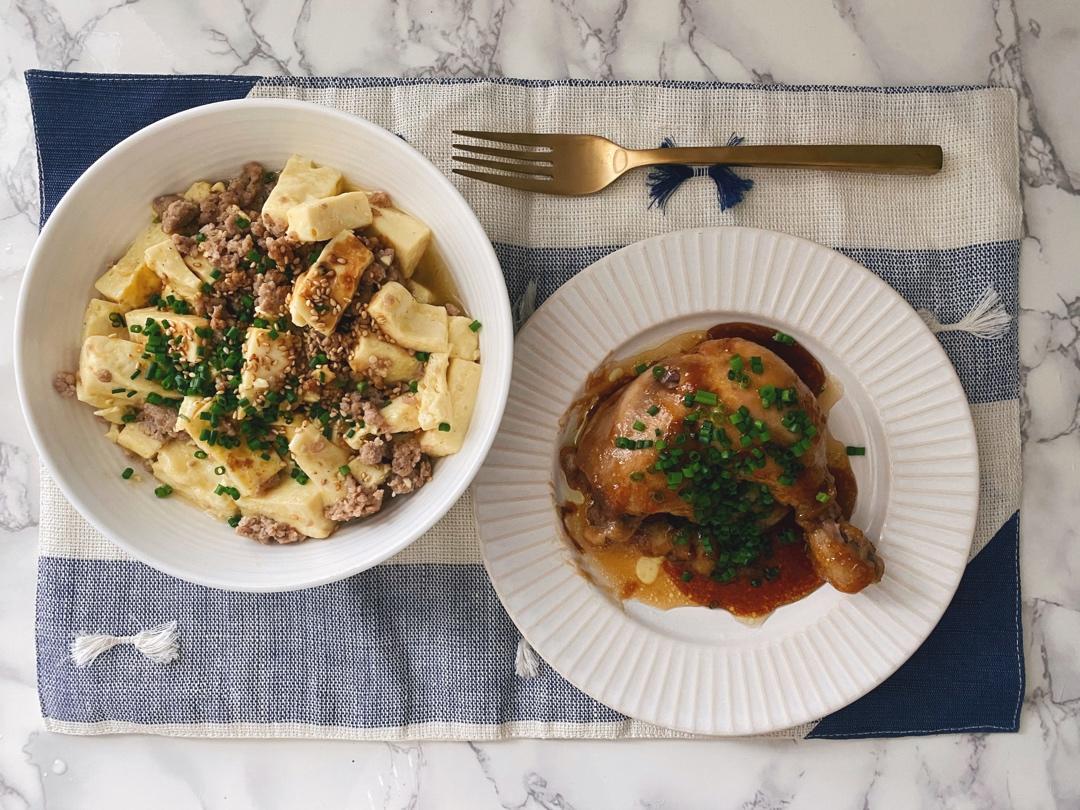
(94, 223)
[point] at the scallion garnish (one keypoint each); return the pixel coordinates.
(444, 427)
(164, 491)
(475, 326)
(855, 451)
(127, 473)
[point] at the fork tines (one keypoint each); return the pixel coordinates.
(528, 169)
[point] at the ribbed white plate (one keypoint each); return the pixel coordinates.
(691, 668)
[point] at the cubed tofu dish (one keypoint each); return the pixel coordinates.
(271, 348)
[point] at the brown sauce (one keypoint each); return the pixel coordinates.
(751, 593)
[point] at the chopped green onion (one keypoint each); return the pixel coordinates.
(219, 470)
(199, 454)
(639, 425)
(822, 497)
(200, 237)
(705, 398)
(116, 319)
(659, 371)
(423, 356)
(344, 469)
(127, 473)
(855, 451)
(475, 326)
(414, 386)
(641, 368)
(234, 521)
(362, 386)
(780, 337)
(242, 222)
(119, 390)
(637, 475)
(164, 491)
(444, 427)
(653, 410)
(756, 365)
(687, 576)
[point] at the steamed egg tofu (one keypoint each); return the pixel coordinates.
(301, 180)
(319, 220)
(323, 291)
(416, 326)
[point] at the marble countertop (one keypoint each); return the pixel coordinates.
(1030, 45)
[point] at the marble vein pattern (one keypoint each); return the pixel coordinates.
(1032, 46)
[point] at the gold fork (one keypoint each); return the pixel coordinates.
(583, 164)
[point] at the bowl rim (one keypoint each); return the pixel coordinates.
(482, 435)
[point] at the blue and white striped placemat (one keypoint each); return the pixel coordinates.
(419, 647)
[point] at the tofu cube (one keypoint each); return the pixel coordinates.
(301, 180)
(192, 478)
(464, 342)
(402, 414)
(370, 476)
(317, 220)
(167, 263)
(197, 191)
(408, 236)
(245, 469)
(434, 394)
(267, 362)
(113, 414)
(106, 364)
(130, 282)
(463, 378)
(297, 505)
(420, 292)
(200, 266)
(420, 327)
(323, 291)
(185, 326)
(388, 361)
(134, 437)
(321, 460)
(99, 317)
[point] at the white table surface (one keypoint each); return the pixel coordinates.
(1031, 45)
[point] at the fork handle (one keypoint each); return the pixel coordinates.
(879, 159)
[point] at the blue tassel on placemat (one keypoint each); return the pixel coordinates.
(664, 180)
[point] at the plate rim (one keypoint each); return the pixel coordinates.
(969, 436)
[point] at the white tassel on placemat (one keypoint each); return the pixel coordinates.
(525, 306)
(160, 644)
(988, 319)
(526, 662)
